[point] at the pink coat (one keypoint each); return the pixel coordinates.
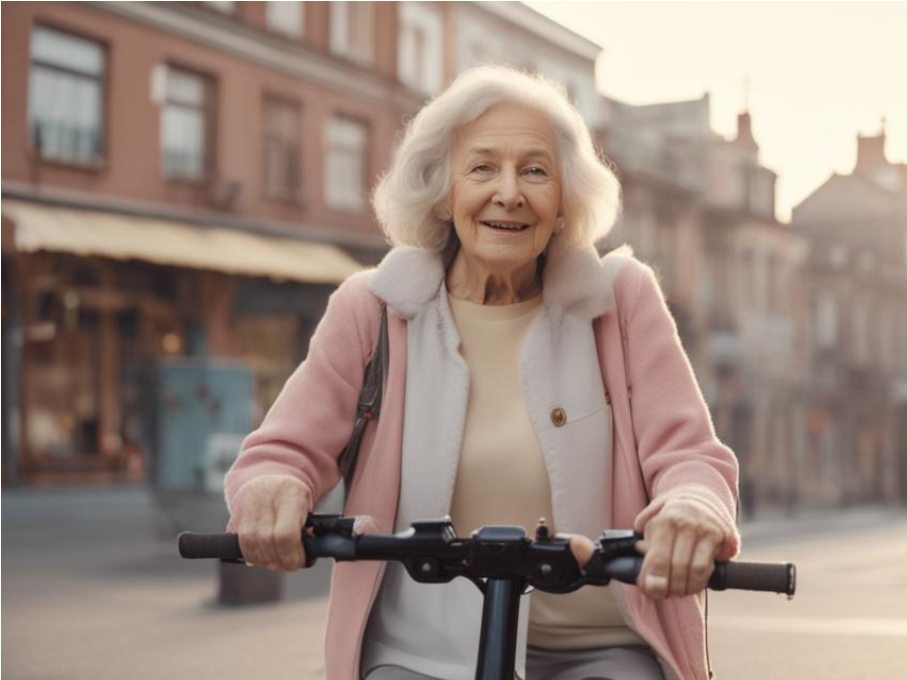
(663, 440)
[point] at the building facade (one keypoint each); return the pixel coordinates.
(700, 209)
(185, 183)
(856, 274)
(183, 186)
(182, 182)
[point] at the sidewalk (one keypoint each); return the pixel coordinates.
(89, 591)
(775, 526)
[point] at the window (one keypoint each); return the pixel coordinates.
(773, 286)
(826, 331)
(285, 17)
(412, 55)
(221, 6)
(572, 89)
(866, 261)
(838, 255)
(761, 282)
(352, 30)
(282, 157)
(709, 287)
(666, 254)
(478, 54)
(184, 125)
(747, 280)
(903, 338)
(345, 173)
(860, 342)
(421, 38)
(887, 338)
(645, 234)
(65, 104)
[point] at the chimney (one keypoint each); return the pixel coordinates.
(871, 150)
(745, 122)
(745, 130)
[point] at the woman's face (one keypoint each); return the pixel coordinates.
(506, 187)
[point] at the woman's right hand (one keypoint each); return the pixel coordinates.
(268, 514)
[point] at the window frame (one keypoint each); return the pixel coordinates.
(101, 160)
(366, 161)
(294, 195)
(346, 50)
(209, 108)
(276, 28)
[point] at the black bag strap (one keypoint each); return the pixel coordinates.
(369, 407)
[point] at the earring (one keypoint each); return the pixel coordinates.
(559, 225)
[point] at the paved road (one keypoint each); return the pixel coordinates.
(849, 617)
(89, 592)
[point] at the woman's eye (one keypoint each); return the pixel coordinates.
(482, 168)
(536, 171)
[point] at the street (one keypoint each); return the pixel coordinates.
(848, 619)
(90, 592)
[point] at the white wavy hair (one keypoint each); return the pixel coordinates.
(409, 194)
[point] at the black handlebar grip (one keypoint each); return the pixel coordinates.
(226, 547)
(194, 546)
(774, 578)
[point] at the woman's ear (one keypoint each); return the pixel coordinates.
(443, 213)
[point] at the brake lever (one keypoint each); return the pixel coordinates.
(610, 545)
(613, 543)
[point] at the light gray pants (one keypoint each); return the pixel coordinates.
(610, 663)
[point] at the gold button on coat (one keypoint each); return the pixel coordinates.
(558, 417)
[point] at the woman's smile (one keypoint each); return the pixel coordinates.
(506, 226)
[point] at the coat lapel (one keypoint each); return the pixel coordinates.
(559, 368)
(576, 280)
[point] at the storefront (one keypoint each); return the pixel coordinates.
(96, 302)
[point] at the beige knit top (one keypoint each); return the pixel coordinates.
(502, 478)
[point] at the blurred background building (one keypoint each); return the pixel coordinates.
(185, 183)
(856, 228)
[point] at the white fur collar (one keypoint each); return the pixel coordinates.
(576, 279)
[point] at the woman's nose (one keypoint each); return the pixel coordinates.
(508, 194)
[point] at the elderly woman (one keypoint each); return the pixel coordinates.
(529, 377)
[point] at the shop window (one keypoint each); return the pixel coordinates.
(282, 160)
(285, 17)
(185, 125)
(352, 31)
(346, 159)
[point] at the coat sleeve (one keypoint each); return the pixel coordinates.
(679, 452)
(312, 419)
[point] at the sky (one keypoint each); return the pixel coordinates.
(819, 73)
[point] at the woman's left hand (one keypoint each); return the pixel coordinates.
(680, 546)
